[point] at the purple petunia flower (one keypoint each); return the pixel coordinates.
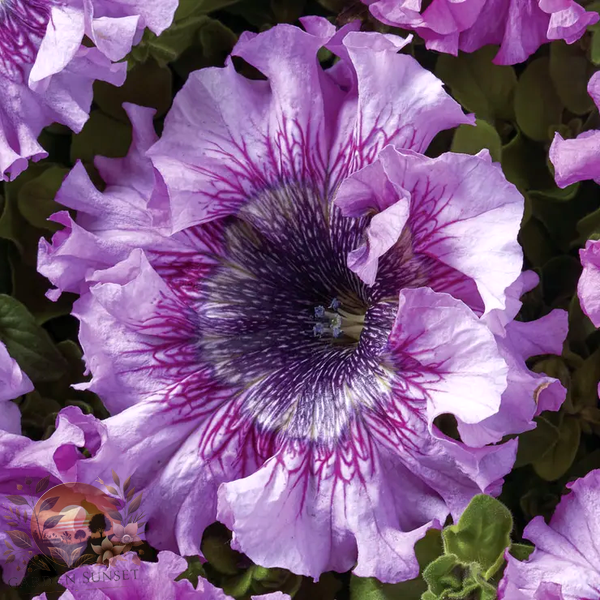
(27, 469)
(564, 564)
(13, 383)
(276, 335)
(46, 74)
(588, 289)
(578, 159)
(519, 27)
(131, 580)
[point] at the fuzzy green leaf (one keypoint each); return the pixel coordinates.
(482, 533)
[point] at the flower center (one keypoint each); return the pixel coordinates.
(126, 539)
(339, 323)
(22, 27)
(283, 319)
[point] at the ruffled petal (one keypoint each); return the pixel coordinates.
(458, 203)
(366, 192)
(301, 125)
(64, 98)
(566, 554)
(132, 212)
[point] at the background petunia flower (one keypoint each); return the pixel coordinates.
(13, 383)
(258, 374)
(27, 469)
(46, 74)
(564, 564)
(588, 288)
(578, 159)
(519, 27)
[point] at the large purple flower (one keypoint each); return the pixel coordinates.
(565, 564)
(27, 469)
(129, 580)
(278, 362)
(13, 383)
(46, 74)
(519, 27)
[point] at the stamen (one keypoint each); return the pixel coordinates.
(338, 323)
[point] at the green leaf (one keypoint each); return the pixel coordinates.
(585, 380)
(187, 7)
(13, 225)
(93, 141)
(30, 287)
(521, 551)
(147, 84)
(28, 343)
(194, 571)
(216, 548)
(478, 84)
(537, 244)
(36, 198)
(327, 588)
(556, 462)
(482, 533)
(287, 11)
(570, 72)
(427, 550)
(559, 280)
(214, 42)
(589, 226)
(269, 580)
(526, 164)
(535, 443)
(449, 579)
(239, 585)
(538, 108)
(445, 573)
(471, 140)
